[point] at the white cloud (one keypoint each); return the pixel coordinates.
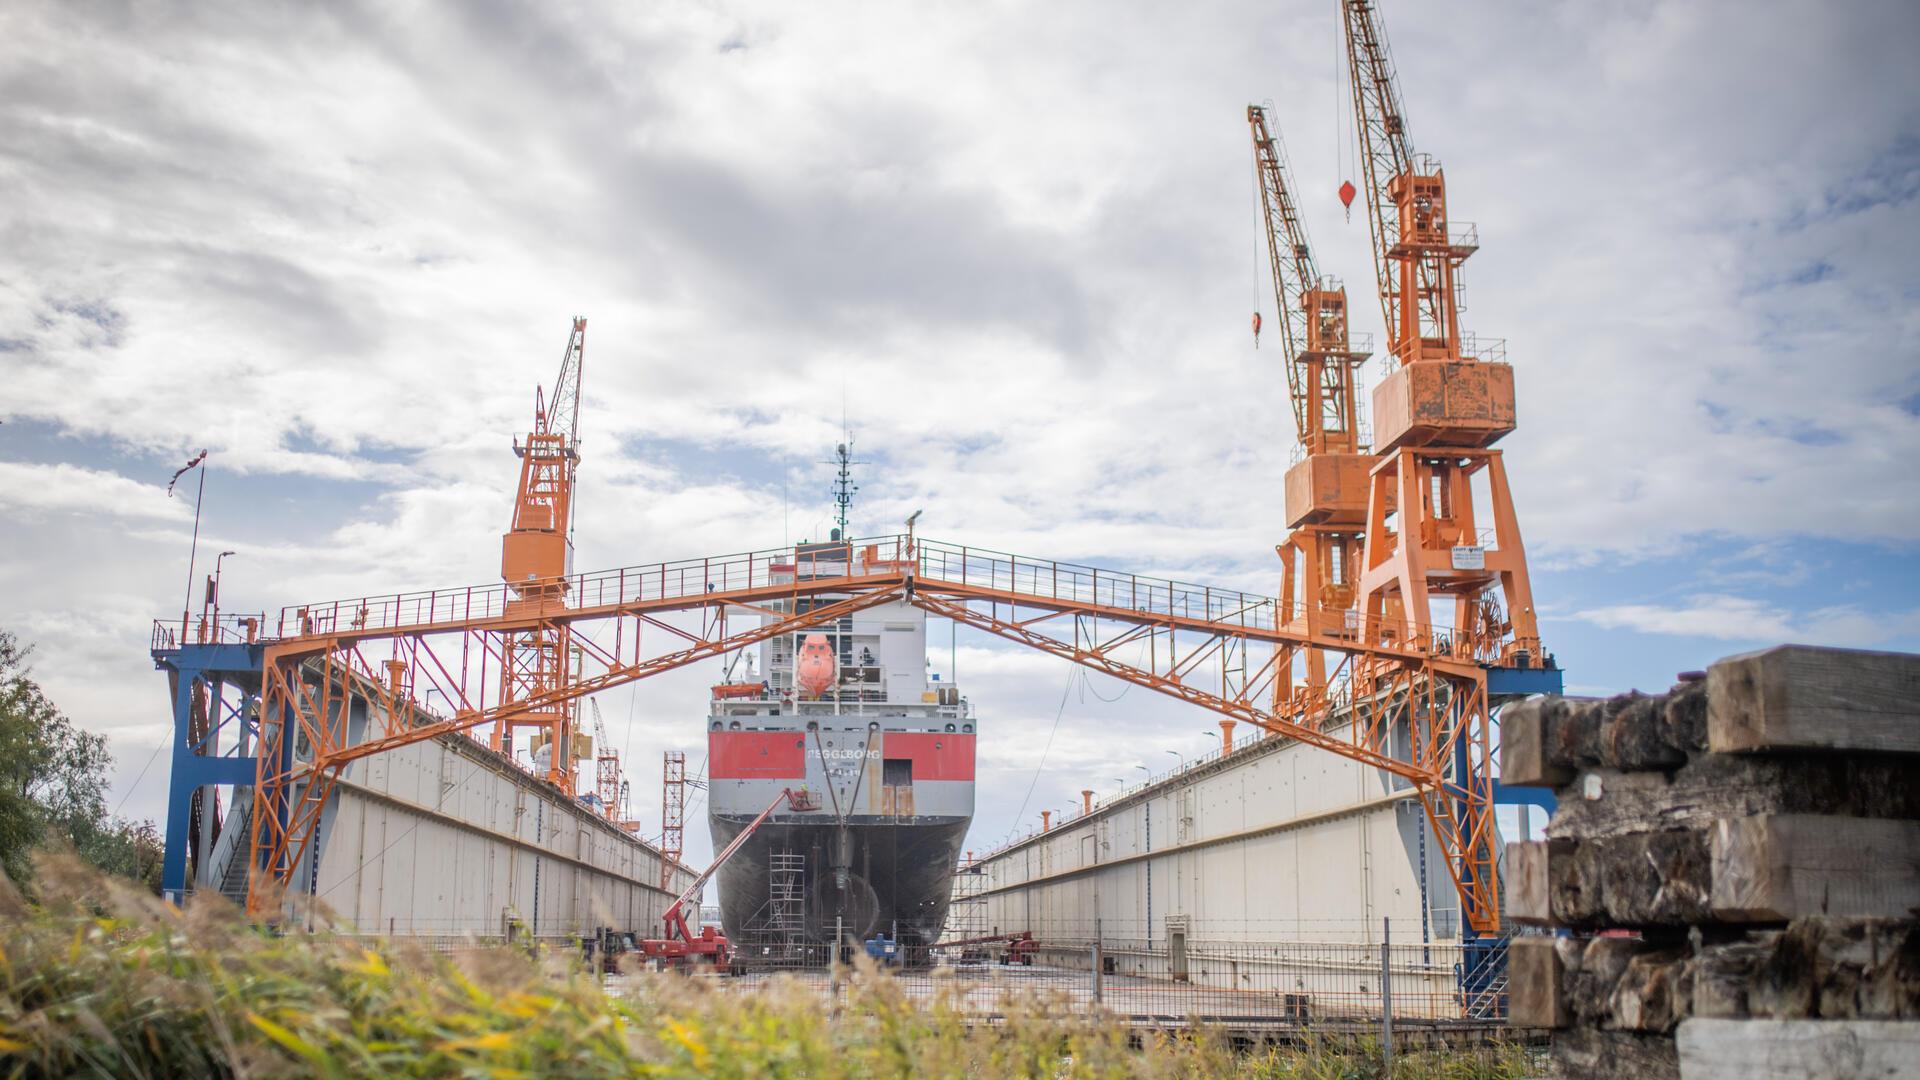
(71, 489)
(1735, 618)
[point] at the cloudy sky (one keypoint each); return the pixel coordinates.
(1015, 244)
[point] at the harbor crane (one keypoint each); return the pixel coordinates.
(1326, 488)
(1448, 399)
(536, 556)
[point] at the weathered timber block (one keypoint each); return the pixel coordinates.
(1710, 1049)
(1654, 993)
(1591, 975)
(1592, 1054)
(1643, 879)
(1711, 787)
(1536, 971)
(1776, 867)
(1531, 868)
(1800, 697)
(1646, 879)
(1524, 757)
(1545, 741)
(1637, 735)
(1839, 969)
(1724, 974)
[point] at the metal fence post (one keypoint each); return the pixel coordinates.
(833, 964)
(1386, 997)
(1096, 972)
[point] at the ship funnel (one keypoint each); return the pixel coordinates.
(1086, 801)
(1046, 820)
(1226, 736)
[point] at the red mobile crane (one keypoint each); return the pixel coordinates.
(682, 947)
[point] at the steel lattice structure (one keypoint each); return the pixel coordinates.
(337, 689)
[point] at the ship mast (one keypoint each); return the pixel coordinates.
(843, 486)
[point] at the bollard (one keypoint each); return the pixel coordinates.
(1386, 998)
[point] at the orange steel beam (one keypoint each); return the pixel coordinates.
(1437, 708)
(300, 774)
(1409, 699)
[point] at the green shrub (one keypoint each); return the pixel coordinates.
(99, 977)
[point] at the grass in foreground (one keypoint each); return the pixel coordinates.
(101, 978)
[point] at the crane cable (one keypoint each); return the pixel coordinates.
(1065, 693)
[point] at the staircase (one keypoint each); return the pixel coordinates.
(235, 844)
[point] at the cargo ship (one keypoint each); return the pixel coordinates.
(879, 755)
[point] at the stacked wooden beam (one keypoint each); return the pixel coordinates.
(1733, 871)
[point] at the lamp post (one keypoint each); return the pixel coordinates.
(1181, 756)
(217, 561)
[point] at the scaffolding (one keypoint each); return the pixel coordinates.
(673, 813)
(776, 935)
(967, 914)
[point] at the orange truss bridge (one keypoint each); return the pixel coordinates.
(1412, 701)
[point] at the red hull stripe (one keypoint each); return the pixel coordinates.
(936, 755)
(756, 755)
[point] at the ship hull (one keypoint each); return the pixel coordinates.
(897, 880)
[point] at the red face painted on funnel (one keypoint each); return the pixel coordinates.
(813, 669)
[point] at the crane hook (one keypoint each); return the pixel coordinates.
(1256, 329)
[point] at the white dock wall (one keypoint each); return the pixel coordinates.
(446, 838)
(1275, 842)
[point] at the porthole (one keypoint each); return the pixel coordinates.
(967, 728)
(735, 726)
(949, 729)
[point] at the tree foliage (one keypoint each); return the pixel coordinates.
(53, 782)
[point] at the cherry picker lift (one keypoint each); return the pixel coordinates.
(681, 948)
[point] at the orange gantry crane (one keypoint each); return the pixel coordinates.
(1448, 399)
(1326, 489)
(536, 556)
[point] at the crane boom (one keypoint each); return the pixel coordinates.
(1321, 365)
(1415, 252)
(1325, 490)
(561, 414)
(1288, 252)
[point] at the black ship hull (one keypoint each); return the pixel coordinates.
(878, 876)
